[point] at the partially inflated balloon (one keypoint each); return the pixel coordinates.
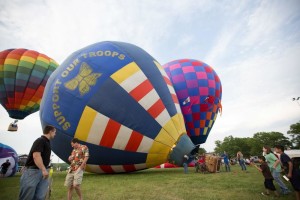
(23, 76)
(199, 92)
(8, 153)
(117, 100)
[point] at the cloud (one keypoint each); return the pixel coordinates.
(253, 46)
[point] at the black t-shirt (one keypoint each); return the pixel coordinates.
(42, 145)
(5, 165)
(266, 170)
(285, 159)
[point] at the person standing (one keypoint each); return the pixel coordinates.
(34, 179)
(265, 170)
(291, 171)
(226, 161)
(78, 159)
(275, 168)
(241, 160)
(185, 163)
(4, 168)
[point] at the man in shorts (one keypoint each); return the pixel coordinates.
(78, 159)
(292, 172)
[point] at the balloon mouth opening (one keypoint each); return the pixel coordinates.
(17, 114)
(183, 147)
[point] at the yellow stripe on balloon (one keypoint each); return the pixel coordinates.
(210, 123)
(85, 123)
(156, 159)
(179, 124)
(205, 131)
(9, 61)
(30, 104)
(125, 72)
(28, 59)
(43, 59)
(171, 129)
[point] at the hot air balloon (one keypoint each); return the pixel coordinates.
(23, 76)
(8, 154)
(199, 92)
(116, 99)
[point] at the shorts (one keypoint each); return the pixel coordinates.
(74, 178)
(269, 184)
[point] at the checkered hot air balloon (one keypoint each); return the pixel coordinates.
(117, 100)
(199, 92)
(23, 76)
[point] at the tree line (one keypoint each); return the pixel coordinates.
(252, 146)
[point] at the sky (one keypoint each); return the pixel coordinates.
(253, 45)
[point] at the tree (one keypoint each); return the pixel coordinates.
(295, 133)
(232, 145)
(268, 138)
(201, 150)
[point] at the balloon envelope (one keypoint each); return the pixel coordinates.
(23, 76)
(117, 100)
(199, 92)
(8, 153)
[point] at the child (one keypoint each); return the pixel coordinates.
(264, 168)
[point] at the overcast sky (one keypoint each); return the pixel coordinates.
(254, 46)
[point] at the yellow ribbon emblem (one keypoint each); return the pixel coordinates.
(84, 79)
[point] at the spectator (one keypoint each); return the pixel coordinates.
(275, 168)
(185, 163)
(265, 170)
(4, 168)
(291, 172)
(241, 160)
(226, 161)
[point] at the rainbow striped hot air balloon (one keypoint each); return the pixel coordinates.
(199, 92)
(23, 76)
(117, 100)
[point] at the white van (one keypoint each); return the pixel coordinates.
(293, 153)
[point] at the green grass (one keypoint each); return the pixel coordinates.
(167, 184)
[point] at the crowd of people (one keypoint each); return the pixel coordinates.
(272, 165)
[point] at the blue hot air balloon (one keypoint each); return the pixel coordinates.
(117, 100)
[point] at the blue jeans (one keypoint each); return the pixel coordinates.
(276, 176)
(185, 166)
(242, 164)
(227, 167)
(32, 185)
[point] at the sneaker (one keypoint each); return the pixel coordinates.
(265, 194)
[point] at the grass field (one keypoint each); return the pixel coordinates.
(167, 184)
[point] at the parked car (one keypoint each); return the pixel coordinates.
(254, 159)
(294, 154)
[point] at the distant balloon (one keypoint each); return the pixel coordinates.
(117, 99)
(8, 153)
(199, 92)
(23, 76)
